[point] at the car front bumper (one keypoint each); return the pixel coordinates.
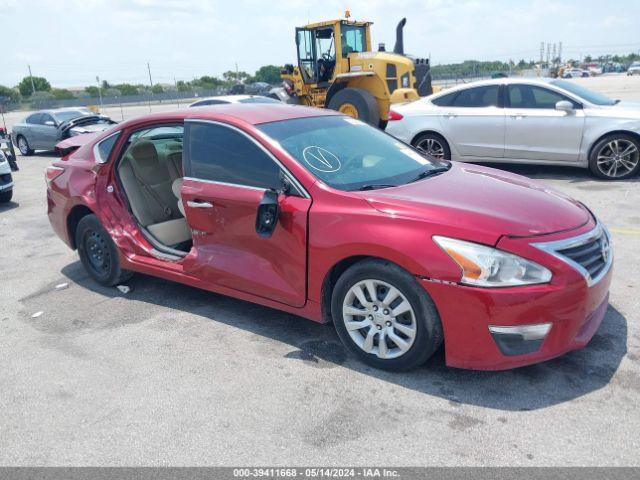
(481, 324)
(6, 182)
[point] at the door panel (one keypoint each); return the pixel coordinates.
(536, 130)
(543, 134)
(473, 131)
(45, 135)
(229, 252)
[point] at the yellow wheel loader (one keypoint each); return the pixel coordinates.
(337, 69)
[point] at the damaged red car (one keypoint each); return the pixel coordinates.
(317, 214)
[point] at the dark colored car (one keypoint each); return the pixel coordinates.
(42, 130)
(318, 214)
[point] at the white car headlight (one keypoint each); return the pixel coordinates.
(2, 157)
(484, 266)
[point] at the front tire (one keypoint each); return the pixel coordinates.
(98, 253)
(23, 146)
(615, 157)
(434, 145)
(356, 103)
(384, 317)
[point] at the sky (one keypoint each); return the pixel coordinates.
(70, 42)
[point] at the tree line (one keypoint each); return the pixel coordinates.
(36, 88)
(268, 74)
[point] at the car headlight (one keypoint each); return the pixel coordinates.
(2, 157)
(484, 266)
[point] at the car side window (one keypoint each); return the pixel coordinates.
(210, 102)
(222, 154)
(445, 100)
(477, 97)
(103, 148)
(34, 119)
(529, 96)
(46, 118)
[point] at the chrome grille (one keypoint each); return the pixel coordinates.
(591, 253)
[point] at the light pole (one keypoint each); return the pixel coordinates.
(99, 91)
(33, 86)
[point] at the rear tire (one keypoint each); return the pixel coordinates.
(357, 103)
(411, 336)
(6, 196)
(607, 161)
(23, 146)
(98, 253)
(433, 144)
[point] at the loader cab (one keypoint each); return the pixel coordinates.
(316, 53)
(323, 49)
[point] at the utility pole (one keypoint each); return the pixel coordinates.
(560, 53)
(99, 91)
(33, 87)
(149, 70)
(150, 85)
(175, 82)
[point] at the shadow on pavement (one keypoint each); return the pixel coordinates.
(574, 175)
(528, 388)
(5, 207)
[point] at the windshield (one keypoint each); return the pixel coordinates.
(347, 154)
(67, 115)
(353, 39)
(589, 95)
(259, 100)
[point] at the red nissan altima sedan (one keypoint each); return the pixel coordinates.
(318, 214)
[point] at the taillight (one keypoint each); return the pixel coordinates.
(51, 173)
(394, 116)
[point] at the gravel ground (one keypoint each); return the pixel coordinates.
(171, 375)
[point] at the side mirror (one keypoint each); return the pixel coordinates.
(564, 106)
(268, 212)
(50, 123)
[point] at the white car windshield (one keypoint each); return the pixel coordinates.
(67, 115)
(588, 95)
(348, 154)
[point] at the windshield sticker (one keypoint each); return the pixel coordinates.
(321, 159)
(353, 121)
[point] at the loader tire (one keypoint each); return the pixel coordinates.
(356, 103)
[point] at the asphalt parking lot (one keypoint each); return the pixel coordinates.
(171, 375)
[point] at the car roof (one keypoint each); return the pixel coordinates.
(249, 113)
(228, 98)
(53, 111)
(497, 81)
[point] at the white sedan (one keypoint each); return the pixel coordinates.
(226, 99)
(536, 121)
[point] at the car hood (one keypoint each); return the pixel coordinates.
(90, 128)
(485, 200)
(626, 110)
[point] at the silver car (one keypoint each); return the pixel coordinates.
(537, 121)
(42, 130)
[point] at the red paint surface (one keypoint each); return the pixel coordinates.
(287, 271)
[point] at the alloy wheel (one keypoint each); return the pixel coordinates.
(23, 146)
(431, 146)
(379, 319)
(617, 158)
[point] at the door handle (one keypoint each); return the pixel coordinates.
(451, 115)
(199, 204)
